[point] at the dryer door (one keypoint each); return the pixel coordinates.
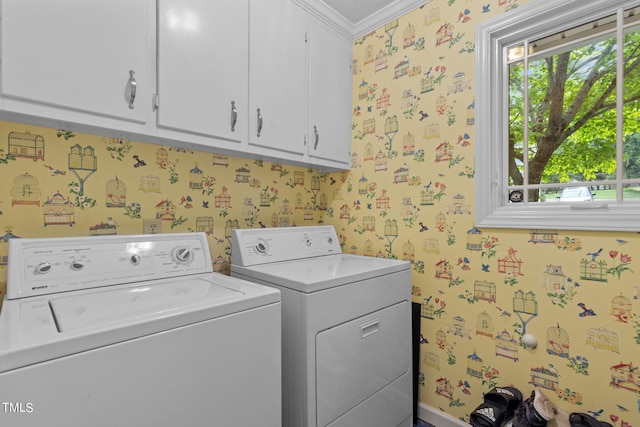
(358, 358)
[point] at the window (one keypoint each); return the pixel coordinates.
(558, 116)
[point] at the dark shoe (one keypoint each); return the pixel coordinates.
(535, 411)
(498, 407)
(578, 419)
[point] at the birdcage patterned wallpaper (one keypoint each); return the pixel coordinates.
(409, 195)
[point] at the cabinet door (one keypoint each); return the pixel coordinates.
(75, 56)
(330, 96)
(202, 67)
(277, 78)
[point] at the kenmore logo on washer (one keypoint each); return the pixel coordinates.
(39, 287)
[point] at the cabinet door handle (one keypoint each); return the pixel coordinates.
(234, 116)
(132, 89)
(259, 123)
(317, 134)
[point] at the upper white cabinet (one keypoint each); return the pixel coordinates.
(277, 76)
(202, 69)
(251, 78)
(329, 96)
(79, 61)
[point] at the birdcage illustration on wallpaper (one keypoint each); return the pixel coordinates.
(510, 263)
(248, 208)
(369, 126)
(408, 251)
(621, 308)
(381, 162)
(474, 365)
(83, 158)
(382, 63)
(25, 190)
(368, 248)
(408, 36)
(484, 290)
(427, 84)
(369, 153)
(459, 327)
(383, 202)
(220, 160)
(383, 100)
(625, 376)
(426, 196)
(431, 245)
(603, 338)
(242, 175)
(204, 224)
(595, 270)
(115, 193)
(484, 325)
(149, 184)
(27, 145)
(431, 131)
(363, 185)
(545, 377)
(58, 210)
(223, 200)
(474, 239)
(195, 178)
(369, 223)
(506, 346)
(165, 210)
(162, 157)
(558, 341)
(408, 144)
(369, 57)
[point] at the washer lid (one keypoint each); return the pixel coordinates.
(314, 274)
(37, 329)
(123, 305)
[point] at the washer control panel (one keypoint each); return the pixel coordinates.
(266, 245)
(50, 265)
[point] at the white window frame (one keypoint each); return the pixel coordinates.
(492, 209)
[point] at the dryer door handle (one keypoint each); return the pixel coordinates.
(369, 328)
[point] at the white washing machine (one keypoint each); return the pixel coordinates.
(135, 331)
(346, 326)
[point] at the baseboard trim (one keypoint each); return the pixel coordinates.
(436, 417)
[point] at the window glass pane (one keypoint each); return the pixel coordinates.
(516, 123)
(631, 132)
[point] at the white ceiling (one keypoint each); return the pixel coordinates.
(355, 18)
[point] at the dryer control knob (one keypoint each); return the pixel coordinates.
(135, 259)
(77, 265)
(261, 247)
(44, 267)
(183, 255)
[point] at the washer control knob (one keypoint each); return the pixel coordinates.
(183, 255)
(77, 265)
(307, 241)
(261, 247)
(135, 259)
(44, 267)
(330, 240)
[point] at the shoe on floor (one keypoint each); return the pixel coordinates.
(498, 407)
(535, 411)
(579, 419)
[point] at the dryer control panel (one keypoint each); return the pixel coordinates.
(51, 265)
(266, 245)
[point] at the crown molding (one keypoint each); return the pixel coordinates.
(329, 16)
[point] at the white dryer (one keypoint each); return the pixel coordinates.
(346, 326)
(135, 331)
